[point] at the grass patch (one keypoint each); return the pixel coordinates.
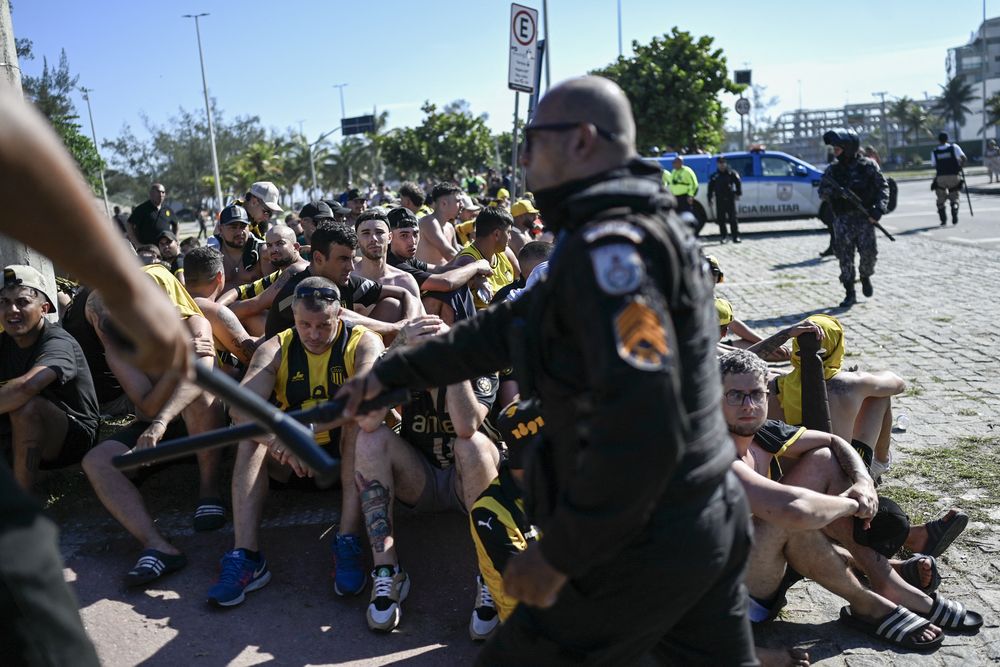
(966, 466)
(935, 378)
(943, 318)
(914, 389)
(920, 506)
(967, 412)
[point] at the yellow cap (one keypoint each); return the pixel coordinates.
(724, 310)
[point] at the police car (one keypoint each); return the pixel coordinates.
(776, 185)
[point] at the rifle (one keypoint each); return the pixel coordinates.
(965, 186)
(855, 200)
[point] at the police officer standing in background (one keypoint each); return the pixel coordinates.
(948, 159)
(725, 187)
(852, 172)
(644, 532)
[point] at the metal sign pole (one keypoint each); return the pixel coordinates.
(513, 152)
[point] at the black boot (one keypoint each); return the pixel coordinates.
(954, 215)
(866, 286)
(944, 218)
(828, 252)
(851, 297)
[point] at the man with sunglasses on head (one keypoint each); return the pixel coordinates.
(618, 343)
(298, 368)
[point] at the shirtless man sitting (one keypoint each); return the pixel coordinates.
(823, 483)
(372, 228)
(251, 301)
(439, 245)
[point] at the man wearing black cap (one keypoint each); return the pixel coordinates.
(948, 160)
(311, 215)
(445, 291)
(357, 202)
(48, 406)
(241, 250)
(170, 254)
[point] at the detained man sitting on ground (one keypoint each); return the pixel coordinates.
(441, 460)
(801, 528)
(48, 406)
(250, 302)
(372, 228)
(299, 367)
(492, 234)
(188, 410)
(205, 280)
(860, 412)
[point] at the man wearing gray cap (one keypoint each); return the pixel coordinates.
(261, 203)
(48, 406)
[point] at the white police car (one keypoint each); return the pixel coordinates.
(776, 185)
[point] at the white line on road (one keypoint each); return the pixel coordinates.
(933, 211)
(994, 239)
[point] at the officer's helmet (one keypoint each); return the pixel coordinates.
(848, 140)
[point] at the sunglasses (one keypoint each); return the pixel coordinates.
(561, 127)
(323, 293)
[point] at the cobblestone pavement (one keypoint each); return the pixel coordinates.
(933, 320)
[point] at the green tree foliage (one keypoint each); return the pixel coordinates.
(674, 84)
(953, 105)
(912, 118)
(993, 109)
(446, 144)
(50, 93)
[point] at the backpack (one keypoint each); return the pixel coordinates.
(893, 195)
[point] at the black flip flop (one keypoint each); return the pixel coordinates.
(210, 514)
(909, 570)
(152, 565)
(950, 615)
(900, 627)
(942, 532)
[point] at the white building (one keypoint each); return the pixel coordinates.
(967, 61)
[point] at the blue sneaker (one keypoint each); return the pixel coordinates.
(240, 575)
(348, 577)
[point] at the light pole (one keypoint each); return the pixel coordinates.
(619, 28)
(885, 125)
(104, 188)
(312, 161)
(340, 87)
(208, 110)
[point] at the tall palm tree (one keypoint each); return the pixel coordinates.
(953, 105)
(900, 111)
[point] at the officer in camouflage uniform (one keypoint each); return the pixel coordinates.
(853, 228)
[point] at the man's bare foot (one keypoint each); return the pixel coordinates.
(780, 657)
(928, 634)
(924, 571)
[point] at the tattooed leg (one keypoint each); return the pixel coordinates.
(375, 501)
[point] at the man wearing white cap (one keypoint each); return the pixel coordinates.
(48, 406)
(261, 203)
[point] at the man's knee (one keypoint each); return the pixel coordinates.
(36, 410)
(372, 445)
(98, 460)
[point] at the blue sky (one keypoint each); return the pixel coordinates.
(280, 59)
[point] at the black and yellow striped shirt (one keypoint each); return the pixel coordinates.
(250, 290)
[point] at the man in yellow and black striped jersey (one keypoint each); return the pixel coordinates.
(297, 368)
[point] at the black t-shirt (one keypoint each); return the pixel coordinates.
(279, 316)
(75, 323)
(415, 267)
(427, 425)
(73, 389)
(150, 221)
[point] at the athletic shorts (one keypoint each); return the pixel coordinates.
(78, 441)
(129, 435)
(440, 492)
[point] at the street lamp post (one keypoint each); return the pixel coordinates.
(104, 188)
(885, 125)
(312, 161)
(340, 87)
(208, 110)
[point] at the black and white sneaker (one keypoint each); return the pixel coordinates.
(485, 619)
(390, 586)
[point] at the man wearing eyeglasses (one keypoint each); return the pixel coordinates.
(299, 367)
(618, 343)
(150, 218)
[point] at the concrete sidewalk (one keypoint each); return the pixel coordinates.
(933, 320)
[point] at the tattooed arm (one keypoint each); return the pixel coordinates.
(769, 346)
(229, 331)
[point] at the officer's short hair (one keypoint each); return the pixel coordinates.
(943, 137)
(741, 362)
(491, 219)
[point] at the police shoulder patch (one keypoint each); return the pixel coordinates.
(640, 336)
(614, 228)
(484, 385)
(618, 268)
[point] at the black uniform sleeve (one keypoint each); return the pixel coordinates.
(881, 187)
(713, 179)
(618, 318)
(485, 389)
(472, 348)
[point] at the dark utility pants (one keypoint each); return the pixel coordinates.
(39, 621)
(725, 211)
(677, 593)
(852, 232)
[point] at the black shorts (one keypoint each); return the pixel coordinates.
(129, 435)
(78, 441)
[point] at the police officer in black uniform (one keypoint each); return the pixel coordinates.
(644, 532)
(948, 160)
(725, 187)
(854, 223)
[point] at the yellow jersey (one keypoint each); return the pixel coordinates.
(503, 273)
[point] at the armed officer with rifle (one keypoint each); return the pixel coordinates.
(948, 160)
(859, 196)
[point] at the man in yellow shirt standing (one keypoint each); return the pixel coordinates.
(683, 184)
